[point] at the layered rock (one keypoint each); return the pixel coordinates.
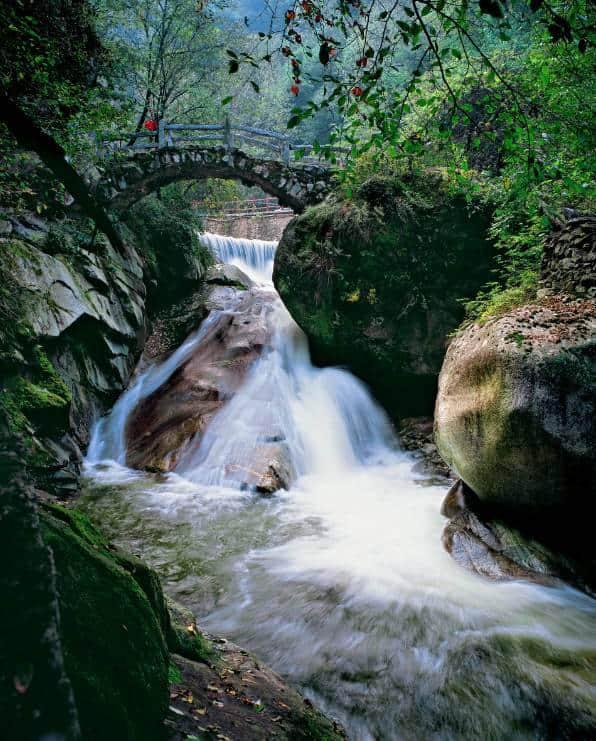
(516, 415)
(377, 282)
(495, 550)
(76, 313)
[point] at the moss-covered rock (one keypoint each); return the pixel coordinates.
(115, 654)
(184, 636)
(166, 230)
(516, 416)
(376, 282)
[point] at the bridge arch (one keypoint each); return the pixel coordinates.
(128, 180)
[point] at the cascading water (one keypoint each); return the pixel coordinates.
(341, 583)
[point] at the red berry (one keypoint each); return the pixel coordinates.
(357, 91)
(295, 89)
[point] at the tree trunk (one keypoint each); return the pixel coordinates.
(31, 137)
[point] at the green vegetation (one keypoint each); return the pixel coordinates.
(376, 279)
(165, 227)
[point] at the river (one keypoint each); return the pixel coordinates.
(341, 583)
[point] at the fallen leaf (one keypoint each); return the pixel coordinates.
(175, 710)
(200, 711)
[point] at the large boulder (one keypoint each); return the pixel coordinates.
(167, 426)
(115, 653)
(516, 415)
(377, 282)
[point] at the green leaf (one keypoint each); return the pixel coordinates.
(227, 99)
(293, 122)
(233, 66)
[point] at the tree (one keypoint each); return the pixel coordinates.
(377, 60)
(168, 51)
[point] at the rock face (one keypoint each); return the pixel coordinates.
(74, 321)
(377, 282)
(516, 415)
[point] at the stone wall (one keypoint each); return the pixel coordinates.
(267, 226)
(569, 259)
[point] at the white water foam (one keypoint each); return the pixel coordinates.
(342, 583)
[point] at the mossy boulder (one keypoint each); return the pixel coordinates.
(167, 231)
(115, 654)
(516, 416)
(377, 281)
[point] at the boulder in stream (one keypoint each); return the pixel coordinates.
(516, 416)
(377, 281)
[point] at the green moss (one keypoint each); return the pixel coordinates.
(314, 726)
(174, 674)
(114, 651)
(495, 299)
(376, 281)
(185, 638)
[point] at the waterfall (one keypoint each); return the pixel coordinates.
(325, 417)
(253, 256)
(341, 583)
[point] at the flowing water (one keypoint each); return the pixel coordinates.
(341, 583)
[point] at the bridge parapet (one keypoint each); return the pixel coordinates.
(279, 146)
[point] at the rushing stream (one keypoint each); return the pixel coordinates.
(341, 583)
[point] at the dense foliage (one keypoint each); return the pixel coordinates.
(498, 96)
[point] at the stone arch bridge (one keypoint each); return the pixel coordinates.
(141, 168)
(141, 173)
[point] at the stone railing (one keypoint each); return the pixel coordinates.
(170, 135)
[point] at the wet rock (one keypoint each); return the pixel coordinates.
(416, 435)
(162, 426)
(228, 275)
(493, 549)
(235, 696)
(458, 499)
(475, 546)
(272, 468)
(516, 416)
